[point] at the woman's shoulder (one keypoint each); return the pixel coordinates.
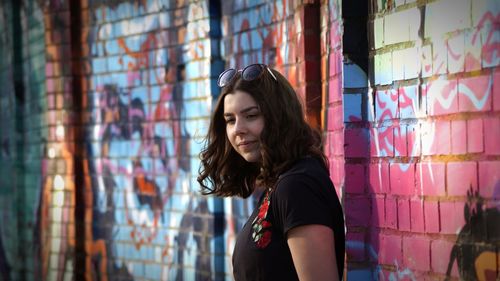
(306, 166)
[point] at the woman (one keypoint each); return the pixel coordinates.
(258, 138)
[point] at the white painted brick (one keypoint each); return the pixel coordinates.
(484, 10)
(383, 69)
(396, 28)
(426, 60)
(398, 63)
(413, 16)
(439, 57)
(445, 16)
(456, 50)
(472, 50)
(378, 32)
(490, 37)
(412, 63)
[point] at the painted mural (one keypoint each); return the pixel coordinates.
(398, 135)
(403, 154)
(145, 98)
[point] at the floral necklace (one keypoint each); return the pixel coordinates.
(261, 228)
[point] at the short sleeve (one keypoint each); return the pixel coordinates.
(301, 200)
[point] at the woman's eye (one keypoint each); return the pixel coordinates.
(252, 116)
(230, 121)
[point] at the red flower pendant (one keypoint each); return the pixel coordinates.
(261, 228)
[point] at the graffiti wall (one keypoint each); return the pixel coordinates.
(105, 104)
(420, 144)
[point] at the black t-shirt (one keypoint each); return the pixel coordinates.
(303, 195)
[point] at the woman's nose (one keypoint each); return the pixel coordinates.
(240, 127)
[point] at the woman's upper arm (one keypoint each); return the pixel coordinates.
(313, 252)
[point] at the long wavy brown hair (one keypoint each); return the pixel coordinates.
(286, 138)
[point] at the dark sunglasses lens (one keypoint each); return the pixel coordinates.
(226, 77)
(252, 72)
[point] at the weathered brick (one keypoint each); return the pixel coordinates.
(489, 178)
(436, 138)
(456, 53)
(357, 251)
(452, 219)
(382, 140)
(391, 213)
(445, 16)
(386, 107)
(491, 136)
(355, 180)
(496, 91)
(402, 178)
(458, 137)
(472, 50)
(379, 178)
(409, 106)
(356, 142)
(442, 97)
(357, 211)
(461, 176)
(417, 215)
(440, 257)
(431, 212)
(475, 94)
(400, 147)
(378, 212)
(417, 253)
(390, 252)
(475, 136)
(430, 178)
(414, 141)
(403, 215)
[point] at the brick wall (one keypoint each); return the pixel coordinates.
(423, 159)
(104, 106)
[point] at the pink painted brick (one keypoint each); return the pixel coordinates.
(356, 142)
(404, 215)
(417, 253)
(379, 177)
(336, 142)
(378, 212)
(440, 257)
(430, 178)
(442, 142)
(458, 137)
(390, 251)
(391, 213)
(461, 176)
(382, 142)
(356, 254)
(402, 178)
(337, 171)
(413, 138)
(335, 90)
(417, 215)
(492, 135)
(355, 178)
(489, 179)
(452, 218)
(442, 97)
(474, 94)
(400, 141)
(357, 211)
(431, 212)
(475, 136)
(496, 91)
(335, 118)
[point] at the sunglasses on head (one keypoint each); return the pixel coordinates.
(249, 73)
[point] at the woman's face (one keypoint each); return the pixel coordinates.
(244, 124)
